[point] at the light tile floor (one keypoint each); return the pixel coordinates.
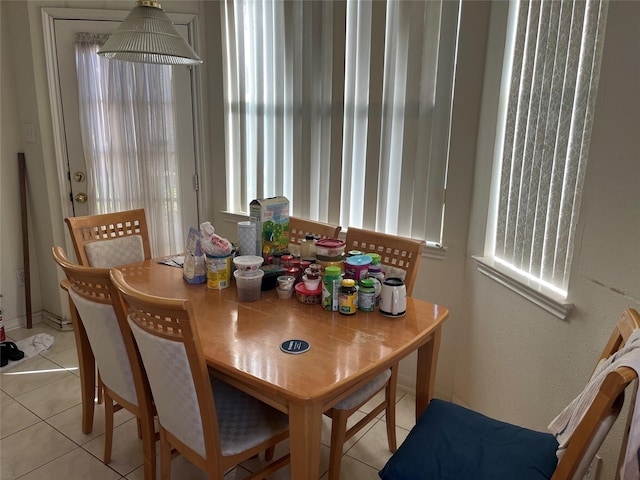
(41, 437)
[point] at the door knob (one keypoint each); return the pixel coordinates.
(81, 197)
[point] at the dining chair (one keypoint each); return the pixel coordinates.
(96, 313)
(402, 254)
(214, 425)
(300, 227)
(109, 240)
(450, 441)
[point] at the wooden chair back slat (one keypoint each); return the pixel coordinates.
(300, 227)
(395, 251)
(94, 228)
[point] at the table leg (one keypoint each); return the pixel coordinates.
(426, 372)
(305, 428)
(86, 364)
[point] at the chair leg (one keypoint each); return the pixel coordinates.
(338, 435)
(390, 411)
(147, 430)
(268, 453)
(100, 388)
(108, 426)
(86, 364)
(165, 457)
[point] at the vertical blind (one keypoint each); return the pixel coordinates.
(343, 107)
(554, 62)
(128, 128)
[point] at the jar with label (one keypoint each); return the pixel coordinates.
(375, 258)
(366, 295)
(331, 282)
(348, 297)
(376, 274)
(286, 261)
(356, 267)
(308, 248)
(304, 249)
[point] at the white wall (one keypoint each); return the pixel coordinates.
(517, 362)
(13, 115)
(26, 89)
(500, 354)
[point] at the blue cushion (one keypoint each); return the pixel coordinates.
(453, 442)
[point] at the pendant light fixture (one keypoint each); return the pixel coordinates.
(148, 36)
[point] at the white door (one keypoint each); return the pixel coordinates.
(64, 32)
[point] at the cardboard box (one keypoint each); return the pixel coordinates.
(271, 216)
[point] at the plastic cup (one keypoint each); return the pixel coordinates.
(285, 282)
(248, 287)
(284, 294)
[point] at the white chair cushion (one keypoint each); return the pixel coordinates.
(243, 421)
(106, 341)
(115, 252)
(365, 392)
(172, 386)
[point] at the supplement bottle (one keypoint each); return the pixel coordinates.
(348, 297)
(377, 275)
(331, 282)
(366, 295)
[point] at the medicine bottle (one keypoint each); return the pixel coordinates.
(366, 295)
(348, 297)
(331, 283)
(377, 275)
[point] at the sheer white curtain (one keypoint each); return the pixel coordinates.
(554, 60)
(127, 118)
(344, 107)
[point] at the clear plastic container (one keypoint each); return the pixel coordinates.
(330, 247)
(284, 294)
(248, 287)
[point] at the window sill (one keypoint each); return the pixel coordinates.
(435, 251)
(538, 294)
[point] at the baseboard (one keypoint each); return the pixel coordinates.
(56, 322)
(21, 322)
(455, 399)
(407, 383)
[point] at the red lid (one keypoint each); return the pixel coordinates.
(301, 288)
(330, 243)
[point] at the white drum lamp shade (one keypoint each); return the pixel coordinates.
(148, 36)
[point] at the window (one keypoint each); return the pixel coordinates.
(343, 107)
(550, 79)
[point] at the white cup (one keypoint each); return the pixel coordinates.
(247, 238)
(393, 297)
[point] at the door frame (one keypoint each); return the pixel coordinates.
(49, 16)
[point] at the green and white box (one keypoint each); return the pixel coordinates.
(271, 216)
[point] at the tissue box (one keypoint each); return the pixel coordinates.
(271, 216)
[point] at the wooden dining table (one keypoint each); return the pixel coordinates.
(242, 341)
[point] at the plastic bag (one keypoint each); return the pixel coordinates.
(194, 269)
(213, 244)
